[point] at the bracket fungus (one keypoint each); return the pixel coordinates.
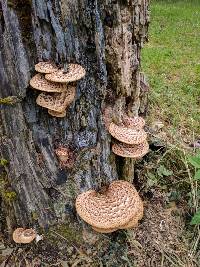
(127, 135)
(133, 122)
(55, 82)
(118, 207)
(130, 132)
(57, 114)
(40, 83)
(131, 151)
(75, 72)
(46, 67)
(57, 102)
(24, 236)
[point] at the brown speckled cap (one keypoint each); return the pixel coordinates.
(131, 151)
(17, 235)
(127, 135)
(75, 72)
(46, 67)
(111, 209)
(133, 122)
(21, 235)
(57, 102)
(131, 224)
(40, 83)
(57, 114)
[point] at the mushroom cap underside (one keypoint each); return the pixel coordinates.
(57, 114)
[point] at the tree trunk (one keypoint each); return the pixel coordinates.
(106, 38)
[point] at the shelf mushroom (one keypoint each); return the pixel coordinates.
(75, 72)
(127, 135)
(57, 102)
(55, 81)
(57, 114)
(46, 67)
(131, 151)
(24, 236)
(133, 122)
(119, 207)
(40, 83)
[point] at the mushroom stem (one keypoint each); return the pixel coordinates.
(128, 170)
(66, 67)
(118, 110)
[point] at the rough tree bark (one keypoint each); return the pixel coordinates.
(105, 37)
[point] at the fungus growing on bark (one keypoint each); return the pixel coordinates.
(57, 114)
(133, 122)
(127, 135)
(40, 83)
(21, 235)
(75, 72)
(131, 151)
(65, 156)
(46, 67)
(57, 102)
(116, 208)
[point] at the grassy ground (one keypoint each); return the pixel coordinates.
(171, 60)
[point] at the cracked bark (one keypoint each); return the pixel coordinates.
(106, 38)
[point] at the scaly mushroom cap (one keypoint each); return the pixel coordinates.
(133, 122)
(131, 224)
(46, 67)
(75, 72)
(21, 235)
(127, 135)
(57, 102)
(40, 83)
(57, 114)
(17, 235)
(28, 236)
(131, 151)
(111, 209)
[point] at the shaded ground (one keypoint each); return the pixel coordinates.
(164, 238)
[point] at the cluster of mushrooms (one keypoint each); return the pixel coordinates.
(57, 86)
(130, 136)
(117, 206)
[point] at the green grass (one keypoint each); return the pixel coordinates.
(171, 61)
